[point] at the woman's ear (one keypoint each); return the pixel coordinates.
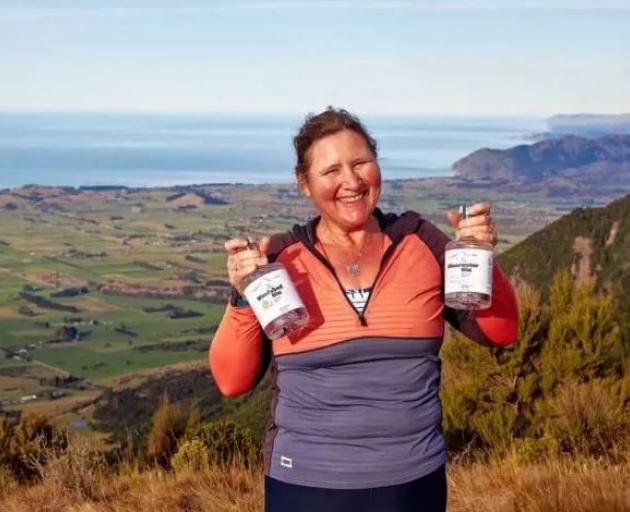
(303, 187)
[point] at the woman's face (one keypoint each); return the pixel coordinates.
(343, 179)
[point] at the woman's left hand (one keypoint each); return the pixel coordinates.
(479, 225)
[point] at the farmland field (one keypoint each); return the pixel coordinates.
(101, 283)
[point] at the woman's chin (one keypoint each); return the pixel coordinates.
(354, 216)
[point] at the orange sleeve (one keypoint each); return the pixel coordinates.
(500, 321)
(235, 354)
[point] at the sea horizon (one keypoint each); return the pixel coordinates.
(163, 149)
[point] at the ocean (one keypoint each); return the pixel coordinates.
(148, 150)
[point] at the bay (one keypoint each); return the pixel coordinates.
(148, 150)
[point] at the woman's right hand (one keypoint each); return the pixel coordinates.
(242, 261)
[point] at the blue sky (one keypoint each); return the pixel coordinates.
(478, 57)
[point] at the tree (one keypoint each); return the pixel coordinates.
(167, 426)
(582, 334)
(562, 386)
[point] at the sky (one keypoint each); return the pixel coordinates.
(452, 57)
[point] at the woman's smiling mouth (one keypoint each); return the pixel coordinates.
(353, 198)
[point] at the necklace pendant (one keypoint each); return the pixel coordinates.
(353, 269)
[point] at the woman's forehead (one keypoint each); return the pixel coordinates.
(344, 144)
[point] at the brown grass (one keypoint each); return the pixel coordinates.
(228, 490)
(8, 311)
(506, 486)
(139, 377)
(54, 408)
(53, 279)
(95, 305)
(556, 486)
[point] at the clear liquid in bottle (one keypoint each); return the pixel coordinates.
(275, 301)
(468, 273)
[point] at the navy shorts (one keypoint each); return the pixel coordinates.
(426, 494)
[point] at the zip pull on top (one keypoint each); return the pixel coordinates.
(385, 256)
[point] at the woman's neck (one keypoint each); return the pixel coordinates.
(329, 233)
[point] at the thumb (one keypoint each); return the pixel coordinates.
(453, 218)
(263, 245)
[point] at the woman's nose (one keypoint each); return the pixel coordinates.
(351, 177)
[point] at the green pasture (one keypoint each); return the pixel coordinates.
(93, 364)
(214, 259)
(10, 285)
(139, 226)
(44, 265)
(148, 327)
(32, 370)
(20, 331)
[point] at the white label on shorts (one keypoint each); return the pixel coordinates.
(468, 270)
(272, 295)
(286, 462)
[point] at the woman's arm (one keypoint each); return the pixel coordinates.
(237, 359)
(497, 325)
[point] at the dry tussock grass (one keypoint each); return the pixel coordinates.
(506, 486)
(233, 489)
(556, 486)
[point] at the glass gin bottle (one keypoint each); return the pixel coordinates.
(468, 272)
(274, 299)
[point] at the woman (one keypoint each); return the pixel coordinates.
(355, 408)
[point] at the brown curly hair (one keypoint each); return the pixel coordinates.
(318, 126)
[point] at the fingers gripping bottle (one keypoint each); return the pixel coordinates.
(468, 272)
(274, 299)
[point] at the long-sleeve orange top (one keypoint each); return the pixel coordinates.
(349, 376)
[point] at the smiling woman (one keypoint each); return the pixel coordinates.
(355, 407)
(339, 172)
(344, 181)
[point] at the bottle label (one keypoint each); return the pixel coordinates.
(468, 270)
(272, 295)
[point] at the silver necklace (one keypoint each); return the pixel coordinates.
(354, 268)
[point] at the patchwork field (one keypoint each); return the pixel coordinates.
(101, 283)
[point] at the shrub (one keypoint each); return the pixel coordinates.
(563, 387)
(587, 417)
(192, 455)
(217, 443)
(167, 426)
(76, 470)
(8, 483)
(28, 445)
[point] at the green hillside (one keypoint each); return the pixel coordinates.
(588, 240)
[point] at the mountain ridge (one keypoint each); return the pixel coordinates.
(571, 156)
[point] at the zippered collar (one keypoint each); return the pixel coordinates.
(393, 225)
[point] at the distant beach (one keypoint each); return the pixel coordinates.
(147, 150)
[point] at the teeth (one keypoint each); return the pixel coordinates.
(351, 199)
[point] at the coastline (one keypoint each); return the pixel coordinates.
(155, 150)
